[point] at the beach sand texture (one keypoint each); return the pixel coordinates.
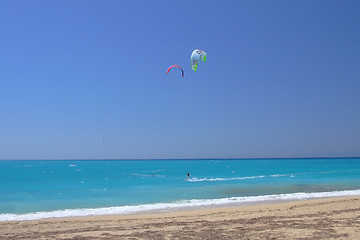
(331, 218)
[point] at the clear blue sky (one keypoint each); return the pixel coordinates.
(282, 79)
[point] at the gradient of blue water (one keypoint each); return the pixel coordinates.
(32, 186)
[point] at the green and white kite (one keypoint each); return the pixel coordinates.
(195, 58)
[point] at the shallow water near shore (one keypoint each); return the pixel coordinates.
(44, 189)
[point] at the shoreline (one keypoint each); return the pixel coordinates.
(332, 217)
(183, 205)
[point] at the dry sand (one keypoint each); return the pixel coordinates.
(331, 218)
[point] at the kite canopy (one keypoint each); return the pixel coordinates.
(196, 55)
(182, 71)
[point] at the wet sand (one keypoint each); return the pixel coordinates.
(330, 218)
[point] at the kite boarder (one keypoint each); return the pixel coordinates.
(187, 176)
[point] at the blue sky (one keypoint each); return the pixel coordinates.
(282, 79)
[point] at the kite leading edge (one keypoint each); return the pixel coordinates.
(182, 71)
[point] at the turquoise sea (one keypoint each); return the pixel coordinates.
(36, 189)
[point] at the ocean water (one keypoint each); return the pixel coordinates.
(32, 189)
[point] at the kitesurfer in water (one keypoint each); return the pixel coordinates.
(187, 176)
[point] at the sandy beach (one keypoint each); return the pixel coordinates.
(331, 218)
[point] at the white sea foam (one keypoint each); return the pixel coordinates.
(222, 179)
(215, 179)
(242, 178)
(147, 175)
(195, 203)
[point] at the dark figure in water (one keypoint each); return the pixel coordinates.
(188, 175)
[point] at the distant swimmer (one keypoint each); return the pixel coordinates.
(187, 176)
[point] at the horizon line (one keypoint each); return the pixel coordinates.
(144, 159)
